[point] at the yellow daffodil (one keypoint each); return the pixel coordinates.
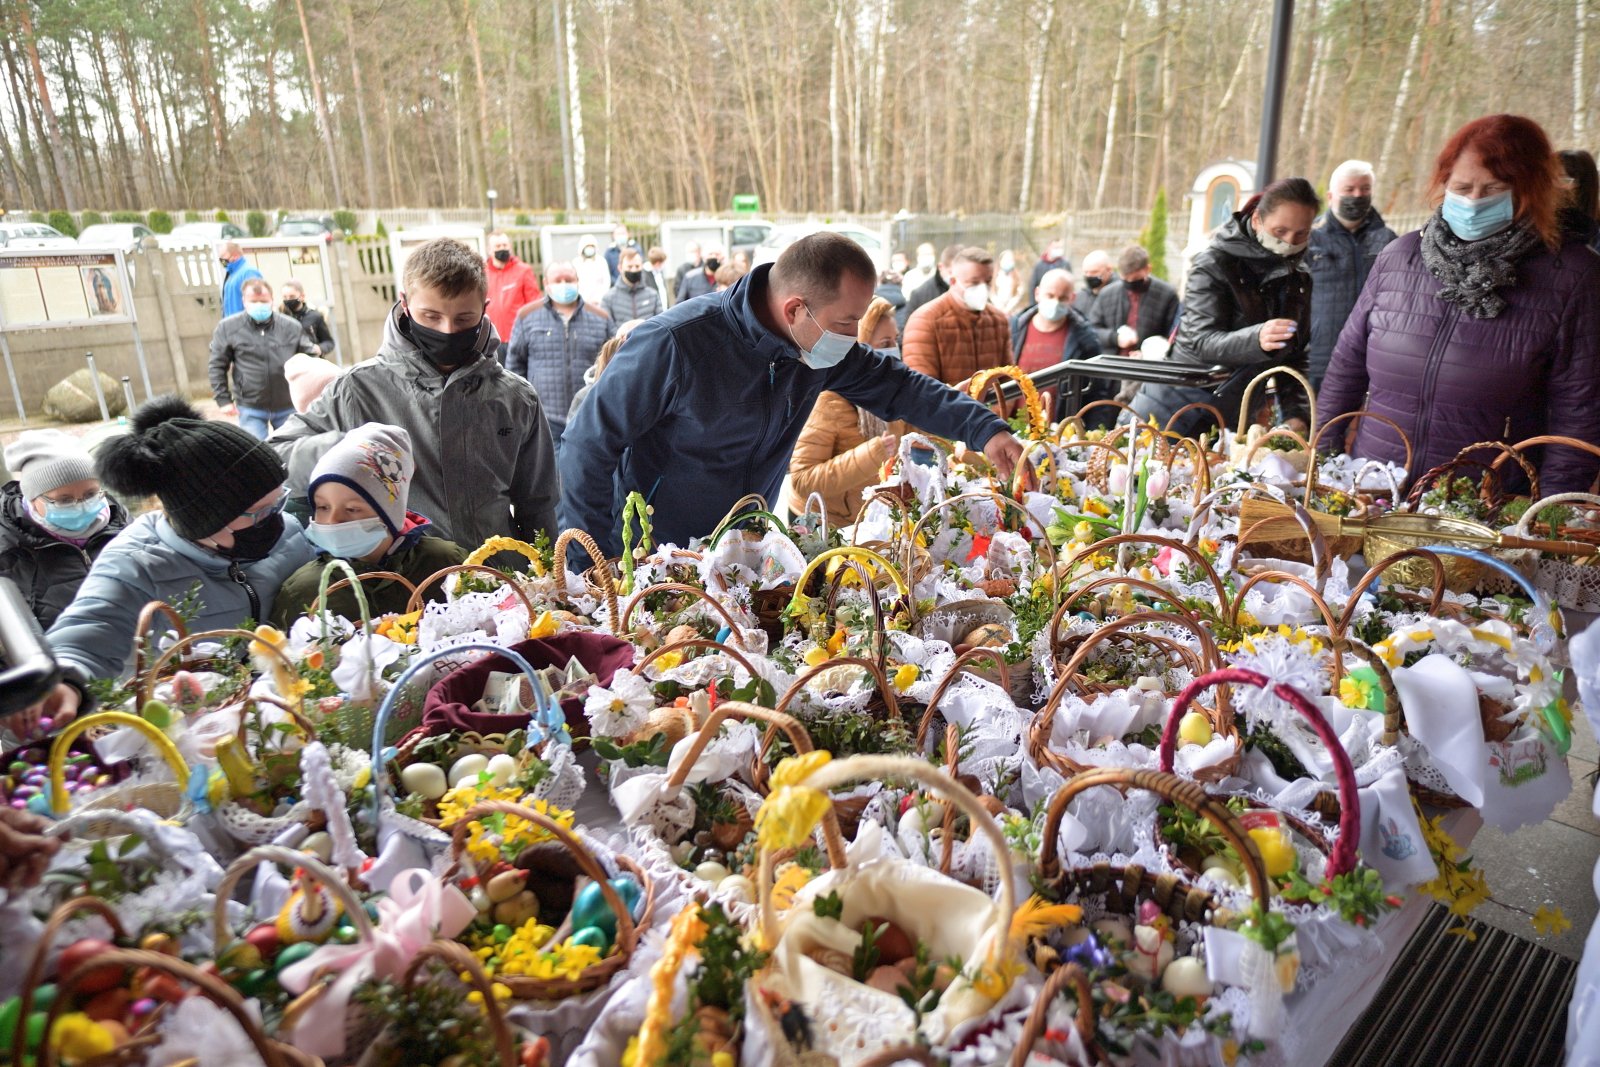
(1548, 920)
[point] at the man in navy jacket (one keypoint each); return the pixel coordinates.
(703, 403)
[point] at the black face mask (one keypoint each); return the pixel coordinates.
(502, 255)
(1354, 208)
(1138, 286)
(293, 306)
(713, 263)
(443, 350)
(1094, 282)
(256, 542)
(633, 276)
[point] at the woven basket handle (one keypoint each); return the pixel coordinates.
(1001, 502)
(40, 957)
(1557, 439)
(1375, 572)
(1165, 596)
(1525, 524)
(1268, 375)
(1201, 482)
(1190, 552)
(739, 709)
(1174, 790)
(680, 587)
(141, 629)
(1393, 714)
(1304, 586)
(361, 579)
(147, 686)
(1199, 405)
(466, 966)
(602, 568)
(971, 655)
(1356, 416)
(880, 768)
(695, 642)
(1272, 434)
(895, 504)
(1320, 562)
(1343, 856)
(884, 688)
(1514, 454)
(214, 989)
(315, 869)
(627, 935)
(60, 799)
(1069, 975)
(417, 600)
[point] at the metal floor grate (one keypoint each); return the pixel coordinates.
(1499, 1001)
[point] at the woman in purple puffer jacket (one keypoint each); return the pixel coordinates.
(1483, 325)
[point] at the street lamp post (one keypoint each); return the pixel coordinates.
(493, 196)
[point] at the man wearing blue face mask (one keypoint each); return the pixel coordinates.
(251, 348)
(702, 403)
(555, 340)
(54, 519)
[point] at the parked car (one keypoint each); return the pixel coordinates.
(307, 226)
(192, 234)
(784, 236)
(123, 235)
(15, 235)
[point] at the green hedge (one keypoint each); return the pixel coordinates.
(128, 216)
(256, 223)
(62, 220)
(345, 219)
(160, 221)
(89, 218)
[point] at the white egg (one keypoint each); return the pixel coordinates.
(425, 780)
(738, 887)
(711, 872)
(502, 768)
(319, 845)
(467, 767)
(1186, 977)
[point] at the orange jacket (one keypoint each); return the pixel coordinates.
(832, 457)
(946, 340)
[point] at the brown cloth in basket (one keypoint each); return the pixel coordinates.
(448, 705)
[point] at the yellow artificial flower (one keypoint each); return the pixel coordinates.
(669, 660)
(790, 880)
(1096, 506)
(906, 676)
(544, 626)
(790, 815)
(1548, 920)
(995, 980)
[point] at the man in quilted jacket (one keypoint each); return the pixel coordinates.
(959, 334)
(555, 340)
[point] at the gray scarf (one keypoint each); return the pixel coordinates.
(1470, 273)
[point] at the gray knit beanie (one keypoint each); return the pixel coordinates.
(374, 460)
(45, 460)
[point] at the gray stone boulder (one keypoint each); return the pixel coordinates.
(72, 399)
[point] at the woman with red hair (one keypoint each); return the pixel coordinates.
(1485, 324)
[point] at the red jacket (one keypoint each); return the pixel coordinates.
(511, 288)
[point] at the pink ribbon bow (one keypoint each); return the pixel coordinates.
(418, 908)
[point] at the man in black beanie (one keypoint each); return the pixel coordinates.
(219, 533)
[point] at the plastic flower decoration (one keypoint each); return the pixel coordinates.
(792, 811)
(622, 708)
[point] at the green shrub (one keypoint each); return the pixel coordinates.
(524, 219)
(381, 230)
(561, 218)
(128, 216)
(345, 219)
(62, 220)
(191, 216)
(89, 218)
(256, 223)
(1154, 237)
(160, 221)
(221, 216)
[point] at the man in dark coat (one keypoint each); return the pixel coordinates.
(1098, 272)
(1345, 242)
(312, 320)
(1135, 307)
(937, 285)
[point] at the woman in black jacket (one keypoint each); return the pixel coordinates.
(54, 520)
(1247, 306)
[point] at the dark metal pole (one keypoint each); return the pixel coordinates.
(1272, 103)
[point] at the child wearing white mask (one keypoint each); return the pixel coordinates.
(358, 494)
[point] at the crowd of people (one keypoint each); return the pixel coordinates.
(503, 402)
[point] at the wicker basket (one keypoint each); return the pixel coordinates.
(389, 1048)
(627, 940)
(166, 799)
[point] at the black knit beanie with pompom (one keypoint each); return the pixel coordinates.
(206, 474)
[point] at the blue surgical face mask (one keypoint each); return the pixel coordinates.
(357, 539)
(893, 351)
(1473, 220)
(259, 312)
(830, 347)
(564, 292)
(1052, 310)
(74, 518)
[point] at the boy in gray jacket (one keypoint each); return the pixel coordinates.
(484, 461)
